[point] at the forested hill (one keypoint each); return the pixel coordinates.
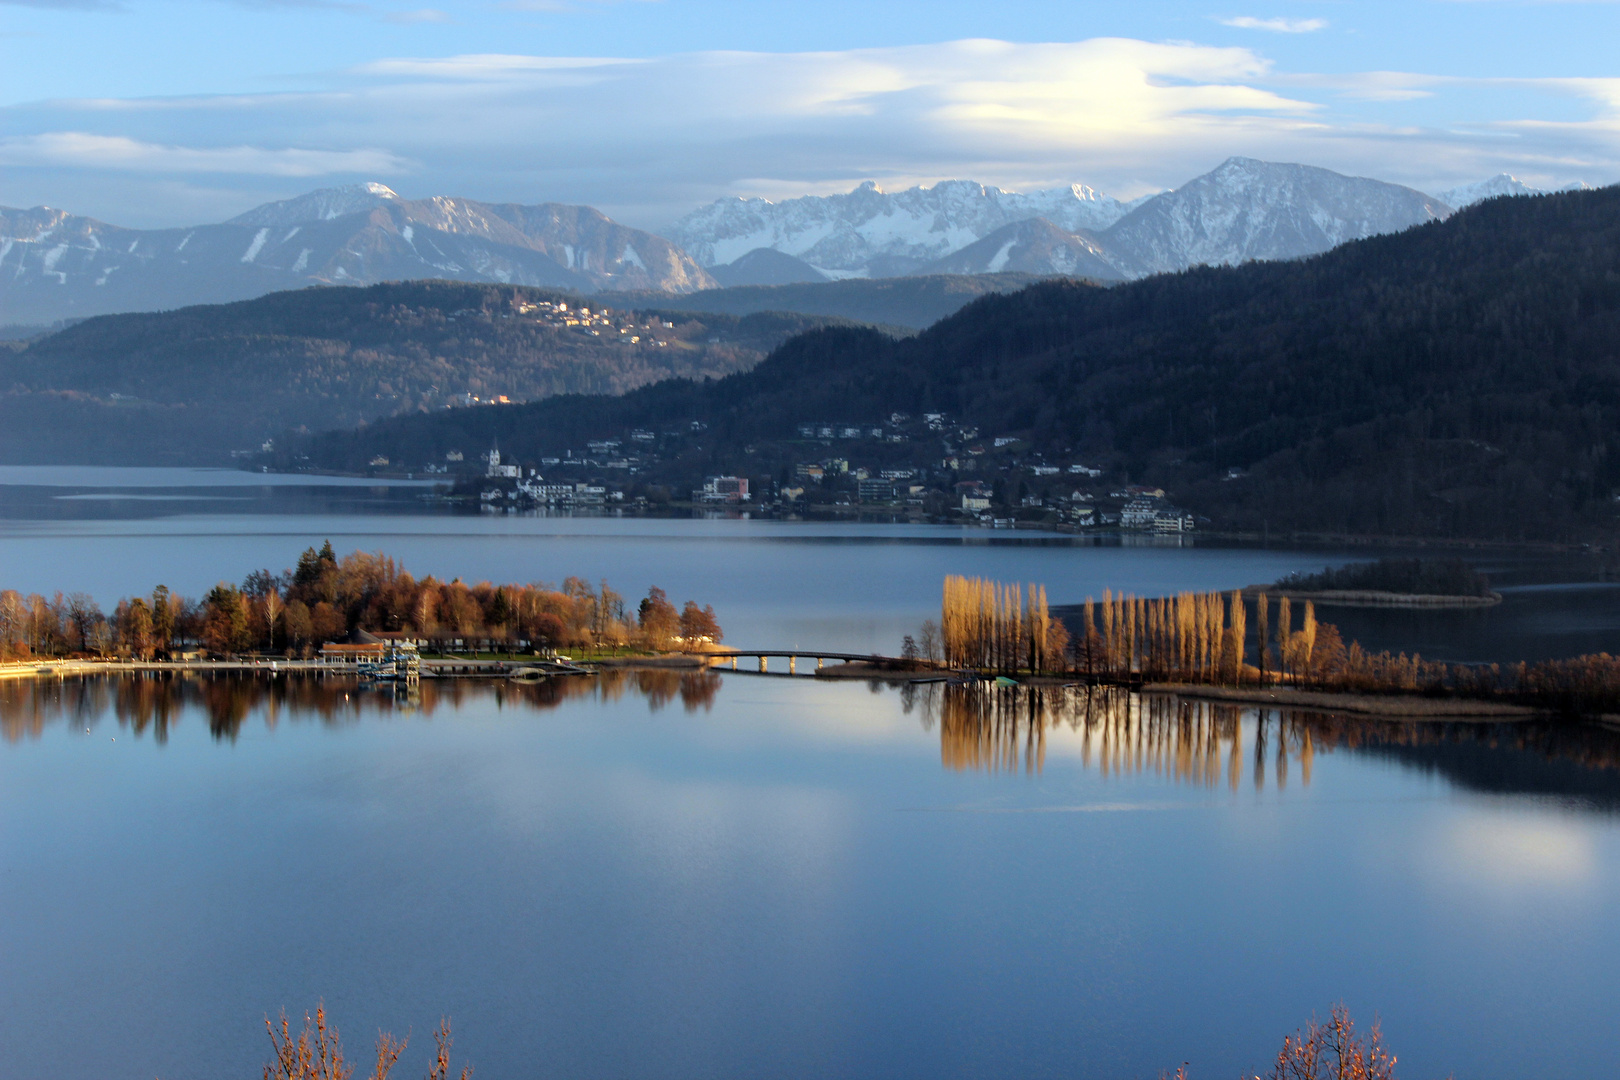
(913, 302)
(1459, 379)
(193, 384)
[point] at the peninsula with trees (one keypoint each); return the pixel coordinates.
(325, 599)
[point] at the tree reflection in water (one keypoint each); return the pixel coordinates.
(153, 702)
(980, 726)
(1116, 732)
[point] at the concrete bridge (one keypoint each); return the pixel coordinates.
(793, 656)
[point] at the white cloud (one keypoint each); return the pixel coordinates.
(114, 152)
(1276, 25)
(485, 67)
(420, 15)
(647, 139)
(1372, 85)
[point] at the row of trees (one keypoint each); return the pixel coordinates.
(1197, 637)
(325, 598)
(1202, 638)
(1205, 638)
(991, 626)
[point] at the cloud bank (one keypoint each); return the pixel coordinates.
(648, 139)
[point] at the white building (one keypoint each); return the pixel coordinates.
(496, 470)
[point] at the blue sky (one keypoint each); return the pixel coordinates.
(169, 112)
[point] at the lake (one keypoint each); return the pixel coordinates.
(848, 586)
(664, 876)
(736, 875)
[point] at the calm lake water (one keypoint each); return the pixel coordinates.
(654, 876)
(657, 876)
(774, 584)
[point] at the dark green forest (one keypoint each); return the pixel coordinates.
(913, 302)
(192, 384)
(1460, 379)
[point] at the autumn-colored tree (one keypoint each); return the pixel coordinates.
(296, 624)
(1262, 612)
(327, 623)
(699, 624)
(270, 607)
(659, 621)
(225, 620)
(135, 628)
(545, 629)
(162, 618)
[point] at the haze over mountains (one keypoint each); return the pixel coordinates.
(55, 265)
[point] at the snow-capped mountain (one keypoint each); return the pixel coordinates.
(322, 205)
(1246, 209)
(55, 265)
(872, 232)
(1035, 246)
(1500, 184)
(1479, 191)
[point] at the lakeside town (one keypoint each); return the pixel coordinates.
(925, 468)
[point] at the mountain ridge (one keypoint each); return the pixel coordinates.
(58, 265)
(193, 384)
(1460, 379)
(55, 265)
(1242, 209)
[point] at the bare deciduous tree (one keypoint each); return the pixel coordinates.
(317, 1052)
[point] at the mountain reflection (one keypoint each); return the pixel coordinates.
(152, 703)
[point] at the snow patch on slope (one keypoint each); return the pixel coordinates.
(998, 261)
(257, 246)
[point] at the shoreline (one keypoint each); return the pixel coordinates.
(1282, 539)
(1385, 706)
(1374, 598)
(1410, 707)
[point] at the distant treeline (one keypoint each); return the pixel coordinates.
(1411, 577)
(327, 599)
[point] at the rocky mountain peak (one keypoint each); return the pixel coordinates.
(323, 204)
